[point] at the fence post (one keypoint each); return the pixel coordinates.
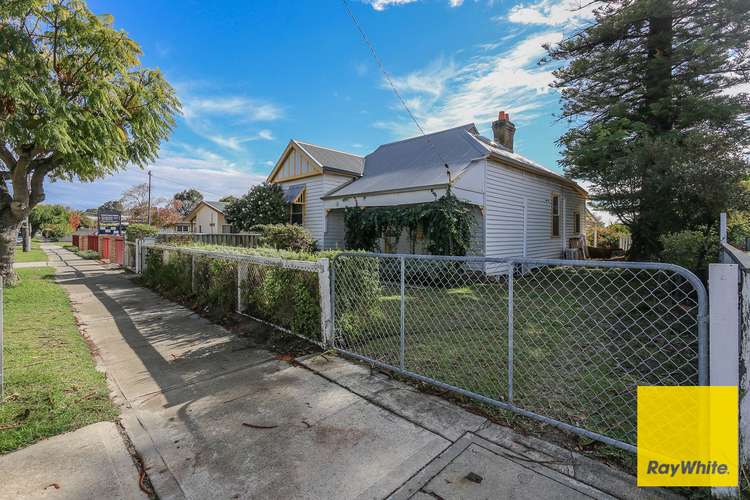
(241, 271)
(511, 268)
(723, 227)
(724, 328)
(326, 312)
(192, 275)
(724, 335)
(402, 337)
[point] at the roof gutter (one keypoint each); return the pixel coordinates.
(385, 191)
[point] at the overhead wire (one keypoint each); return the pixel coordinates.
(389, 80)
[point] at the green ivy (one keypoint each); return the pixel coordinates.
(447, 223)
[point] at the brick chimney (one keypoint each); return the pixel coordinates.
(504, 130)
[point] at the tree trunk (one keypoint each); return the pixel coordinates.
(8, 253)
(656, 208)
(26, 236)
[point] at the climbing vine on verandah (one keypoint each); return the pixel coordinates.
(447, 224)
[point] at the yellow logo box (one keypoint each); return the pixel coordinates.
(688, 436)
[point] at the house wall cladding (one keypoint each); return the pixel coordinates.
(335, 228)
(208, 220)
(505, 191)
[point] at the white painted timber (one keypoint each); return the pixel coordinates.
(724, 325)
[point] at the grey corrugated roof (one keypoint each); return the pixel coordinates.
(417, 162)
(218, 205)
(291, 192)
(420, 162)
(331, 158)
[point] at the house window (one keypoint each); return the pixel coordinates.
(555, 215)
(297, 209)
(577, 222)
(226, 228)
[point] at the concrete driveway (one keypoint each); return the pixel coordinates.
(214, 416)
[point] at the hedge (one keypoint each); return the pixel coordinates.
(139, 231)
(289, 298)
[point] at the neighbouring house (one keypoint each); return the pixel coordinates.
(207, 217)
(520, 207)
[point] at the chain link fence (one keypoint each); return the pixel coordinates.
(565, 342)
(290, 295)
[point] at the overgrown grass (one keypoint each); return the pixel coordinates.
(35, 255)
(51, 383)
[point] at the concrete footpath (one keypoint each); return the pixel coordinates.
(213, 416)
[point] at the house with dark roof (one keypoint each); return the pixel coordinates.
(207, 217)
(520, 207)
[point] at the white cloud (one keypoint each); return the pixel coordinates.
(381, 5)
(553, 12)
(235, 143)
(235, 106)
(443, 95)
(171, 174)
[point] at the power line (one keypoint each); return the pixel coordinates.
(387, 76)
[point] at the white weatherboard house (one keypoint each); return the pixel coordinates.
(521, 208)
(207, 217)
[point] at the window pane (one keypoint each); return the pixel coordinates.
(555, 225)
(297, 214)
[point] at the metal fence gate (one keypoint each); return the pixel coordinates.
(563, 342)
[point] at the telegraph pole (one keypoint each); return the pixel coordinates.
(149, 196)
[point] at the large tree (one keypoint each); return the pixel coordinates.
(659, 124)
(75, 104)
(188, 199)
(135, 202)
(263, 204)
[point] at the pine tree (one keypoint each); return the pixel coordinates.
(654, 92)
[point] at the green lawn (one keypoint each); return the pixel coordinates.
(35, 255)
(583, 339)
(51, 385)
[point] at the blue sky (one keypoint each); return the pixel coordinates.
(252, 75)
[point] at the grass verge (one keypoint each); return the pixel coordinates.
(35, 255)
(51, 384)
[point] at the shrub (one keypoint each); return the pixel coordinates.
(88, 254)
(691, 249)
(71, 248)
(55, 231)
(738, 228)
(289, 298)
(140, 231)
(286, 237)
(217, 285)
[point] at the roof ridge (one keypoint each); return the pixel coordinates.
(464, 126)
(326, 147)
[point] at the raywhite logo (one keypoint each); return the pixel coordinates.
(687, 467)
